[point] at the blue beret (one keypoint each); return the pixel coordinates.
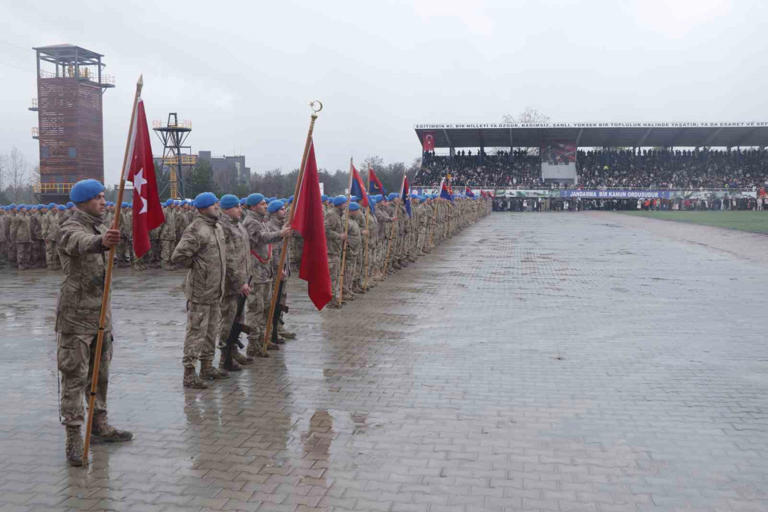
(61, 207)
(269, 199)
(12, 206)
(354, 198)
(254, 199)
(324, 197)
(392, 195)
(168, 202)
(353, 206)
(275, 205)
(339, 200)
(204, 200)
(229, 201)
(85, 190)
(242, 201)
(51, 205)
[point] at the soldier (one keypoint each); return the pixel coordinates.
(276, 211)
(83, 244)
(168, 234)
(10, 234)
(238, 270)
(4, 218)
(125, 249)
(52, 237)
(23, 238)
(355, 245)
(37, 249)
(182, 219)
(261, 238)
(335, 236)
(201, 250)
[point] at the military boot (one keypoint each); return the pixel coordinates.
(209, 372)
(103, 432)
(240, 358)
(74, 446)
(191, 380)
(284, 333)
(235, 366)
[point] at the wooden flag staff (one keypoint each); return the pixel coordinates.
(108, 281)
(316, 107)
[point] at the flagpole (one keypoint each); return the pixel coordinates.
(316, 107)
(108, 282)
(340, 280)
(368, 236)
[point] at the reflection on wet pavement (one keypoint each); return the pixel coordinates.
(534, 362)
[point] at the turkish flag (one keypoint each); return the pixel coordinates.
(308, 222)
(140, 169)
(428, 143)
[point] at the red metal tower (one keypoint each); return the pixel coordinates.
(70, 84)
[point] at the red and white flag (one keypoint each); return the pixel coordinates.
(140, 170)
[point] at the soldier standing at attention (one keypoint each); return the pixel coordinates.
(261, 238)
(4, 217)
(335, 236)
(168, 234)
(276, 210)
(23, 238)
(237, 250)
(83, 245)
(201, 250)
(52, 237)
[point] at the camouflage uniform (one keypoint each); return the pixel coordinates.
(23, 241)
(261, 237)
(83, 260)
(237, 272)
(334, 228)
(51, 241)
(4, 219)
(37, 256)
(10, 238)
(168, 237)
(201, 249)
(352, 261)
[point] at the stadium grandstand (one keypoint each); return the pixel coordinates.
(598, 160)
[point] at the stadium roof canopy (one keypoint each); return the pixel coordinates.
(596, 134)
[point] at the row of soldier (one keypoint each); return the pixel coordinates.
(231, 248)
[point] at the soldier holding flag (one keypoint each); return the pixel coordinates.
(83, 243)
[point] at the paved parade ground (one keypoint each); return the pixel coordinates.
(554, 361)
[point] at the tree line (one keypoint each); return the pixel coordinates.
(18, 179)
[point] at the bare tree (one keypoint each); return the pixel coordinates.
(529, 115)
(17, 172)
(3, 171)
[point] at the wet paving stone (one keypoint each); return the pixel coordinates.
(535, 362)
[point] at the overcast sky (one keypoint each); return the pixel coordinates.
(243, 72)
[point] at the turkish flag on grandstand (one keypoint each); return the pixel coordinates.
(358, 187)
(428, 143)
(468, 191)
(405, 194)
(140, 170)
(308, 222)
(445, 191)
(375, 185)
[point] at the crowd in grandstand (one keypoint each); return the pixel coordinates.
(663, 169)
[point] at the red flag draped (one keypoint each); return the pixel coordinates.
(147, 212)
(308, 222)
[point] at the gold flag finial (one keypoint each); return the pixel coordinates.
(316, 106)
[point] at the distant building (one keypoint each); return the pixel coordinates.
(228, 171)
